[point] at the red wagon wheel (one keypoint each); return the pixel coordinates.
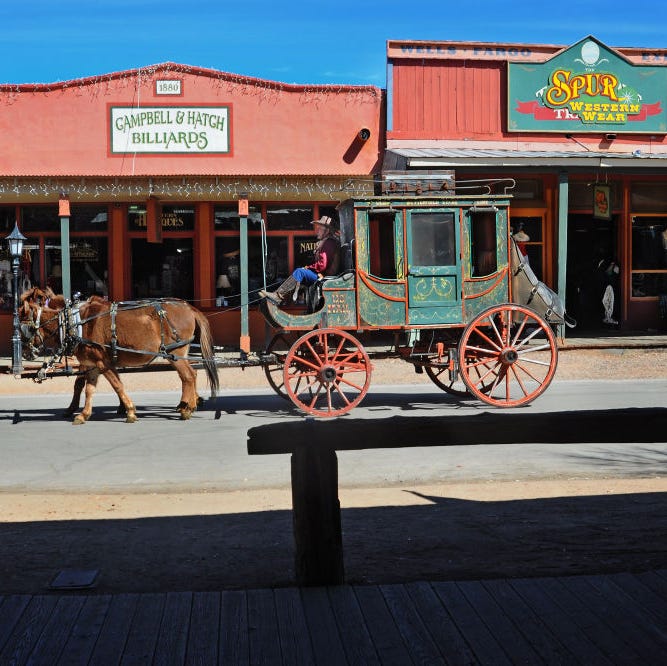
(507, 355)
(279, 346)
(327, 372)
(441, 377)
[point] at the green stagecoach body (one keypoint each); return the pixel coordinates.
(413, 263)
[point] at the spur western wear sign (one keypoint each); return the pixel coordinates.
(587, 88)
(170, 129)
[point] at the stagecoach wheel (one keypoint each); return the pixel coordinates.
(440, 376)
(279, 346)
(507, 355)
(327, 372)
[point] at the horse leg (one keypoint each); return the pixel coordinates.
(117, 385)
(189, 397)
(79, 383)
(90, 380)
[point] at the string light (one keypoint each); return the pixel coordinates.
(189, 188)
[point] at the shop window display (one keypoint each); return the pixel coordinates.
(275, 247)
(649, 255)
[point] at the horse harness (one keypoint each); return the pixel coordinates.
(70, 329)
(164, 350)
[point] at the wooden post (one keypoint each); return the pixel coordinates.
(316, 515)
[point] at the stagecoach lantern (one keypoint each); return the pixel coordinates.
(15, 244)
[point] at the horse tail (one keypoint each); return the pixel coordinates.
(206, 341)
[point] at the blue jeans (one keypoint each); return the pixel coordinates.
(304, 275)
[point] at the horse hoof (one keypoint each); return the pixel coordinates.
(131, 418)
(78, 420)
(186, 414)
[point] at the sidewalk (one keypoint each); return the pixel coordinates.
(615, 619)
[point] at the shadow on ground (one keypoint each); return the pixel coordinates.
(446, 539)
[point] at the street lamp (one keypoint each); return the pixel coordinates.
(15, 243)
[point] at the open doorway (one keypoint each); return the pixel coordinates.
(592, 265)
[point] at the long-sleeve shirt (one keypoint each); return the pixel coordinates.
(325, 257)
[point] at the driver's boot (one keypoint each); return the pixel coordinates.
(283, 290)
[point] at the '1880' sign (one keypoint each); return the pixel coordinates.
(170, 129)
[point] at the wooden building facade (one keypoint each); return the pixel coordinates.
(582, 130)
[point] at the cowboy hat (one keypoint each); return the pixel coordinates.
(324, 221)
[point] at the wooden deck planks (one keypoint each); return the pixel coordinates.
(620, 618)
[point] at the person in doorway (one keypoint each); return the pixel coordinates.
(326, 262)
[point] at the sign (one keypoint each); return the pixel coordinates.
(170, 129)
(169, 87)
(602, 202)
(587, 88)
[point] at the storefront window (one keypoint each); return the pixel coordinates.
(648, 198)
(649, 255)
(289, 217)
(88, 266)
(162, 269)
(88, 218)
(39, 218)
(7, 219)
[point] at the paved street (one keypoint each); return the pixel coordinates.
(46, 453)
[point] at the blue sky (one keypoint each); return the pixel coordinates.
(300, 41)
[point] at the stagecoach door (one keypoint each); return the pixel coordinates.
(433, 266)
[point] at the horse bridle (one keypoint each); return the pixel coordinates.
(34, 332)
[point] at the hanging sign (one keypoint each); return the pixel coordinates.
(587, 88)
(170, 129)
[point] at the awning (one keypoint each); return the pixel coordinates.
(404, 159)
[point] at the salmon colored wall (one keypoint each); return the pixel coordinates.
(63, 129)
(434, 99)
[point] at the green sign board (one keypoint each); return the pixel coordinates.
(587, 88)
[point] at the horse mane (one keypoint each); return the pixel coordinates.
(94, 306)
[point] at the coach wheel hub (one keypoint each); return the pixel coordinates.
(509, 356)
(328, 374)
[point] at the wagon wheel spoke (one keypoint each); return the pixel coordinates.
(327, 372)
(279, 346)
(507, 355)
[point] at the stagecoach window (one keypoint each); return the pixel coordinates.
(483, 242)
(432, 239)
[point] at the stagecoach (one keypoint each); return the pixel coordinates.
(433, 278)
(430, 277)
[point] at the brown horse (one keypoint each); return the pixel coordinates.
(106, 336)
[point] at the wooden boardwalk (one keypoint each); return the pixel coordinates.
(606, 619)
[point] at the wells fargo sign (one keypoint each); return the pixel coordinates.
(587, 88)
(170, 129)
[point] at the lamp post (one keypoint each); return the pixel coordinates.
(15, 243)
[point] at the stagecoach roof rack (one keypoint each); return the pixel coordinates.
(427, 183)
